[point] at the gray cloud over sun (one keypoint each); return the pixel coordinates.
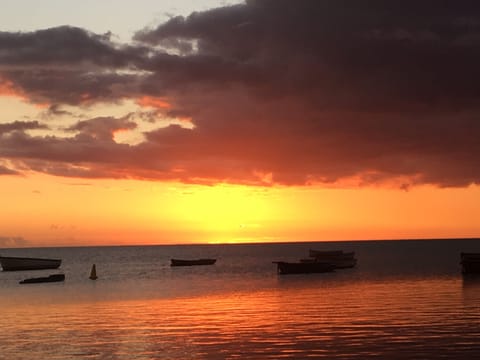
(286, 92)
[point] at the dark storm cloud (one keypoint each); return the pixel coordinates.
(21, 125)
(67, 65)
(289, 92)
(93, 142)
(90, 152)
(338, 88)
(339, 53)
(103, 128)
(62, 46)
(55, 110)
(70, 86)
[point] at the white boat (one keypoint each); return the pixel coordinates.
(10, 263)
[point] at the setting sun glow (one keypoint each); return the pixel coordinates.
(165, 129)
(54, 211)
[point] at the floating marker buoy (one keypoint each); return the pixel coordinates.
(93, 273)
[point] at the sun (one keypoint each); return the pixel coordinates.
(226, 213)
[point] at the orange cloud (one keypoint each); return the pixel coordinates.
(155, 102)
(7, 88)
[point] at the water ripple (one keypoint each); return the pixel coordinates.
(401, 320)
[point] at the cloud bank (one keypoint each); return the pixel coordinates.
(276, 91)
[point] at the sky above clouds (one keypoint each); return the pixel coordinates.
(121, 17)
(262, 92)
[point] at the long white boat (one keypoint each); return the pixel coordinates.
(10, 263)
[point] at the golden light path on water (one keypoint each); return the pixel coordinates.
(296, 318)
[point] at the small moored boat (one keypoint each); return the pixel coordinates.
(46, 279)
(10, 263)
(182, 262)
(303, 267)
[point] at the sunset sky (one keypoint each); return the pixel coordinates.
(157, 122)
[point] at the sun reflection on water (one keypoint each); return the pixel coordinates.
(401, 319)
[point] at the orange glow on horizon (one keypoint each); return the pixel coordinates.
(53, 211)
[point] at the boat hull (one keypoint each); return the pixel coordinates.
(10, 263)
(284, 268)
(181, 262)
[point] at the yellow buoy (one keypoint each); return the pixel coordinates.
(93, 273)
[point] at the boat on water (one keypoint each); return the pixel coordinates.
(46, 279)
(183, 262)
(284, 268)
(470, 263)
(338, 258)
(10, 263)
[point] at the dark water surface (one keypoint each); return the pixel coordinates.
(404, 300)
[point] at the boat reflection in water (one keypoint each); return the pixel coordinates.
(318, 262)
(303, 267)
(180, 262)
(46, 279)
(396, 319)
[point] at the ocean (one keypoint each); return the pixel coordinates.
(404, 300)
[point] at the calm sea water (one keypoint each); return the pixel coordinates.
(404, 300)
